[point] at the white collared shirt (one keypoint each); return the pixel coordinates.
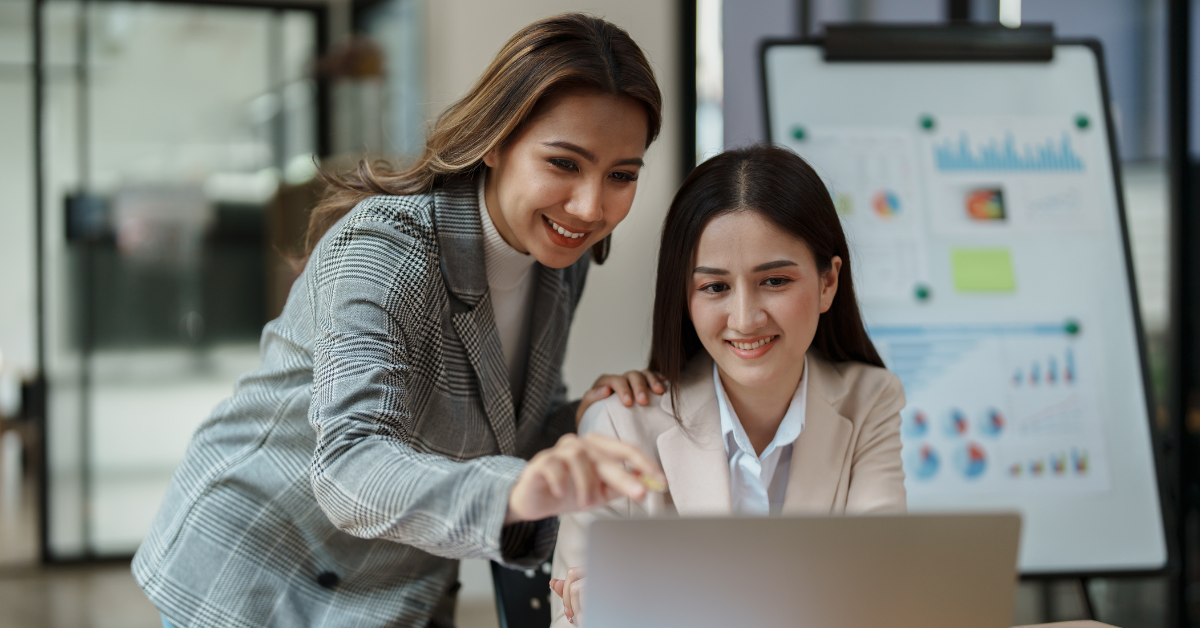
(759, 483)
(510, 278)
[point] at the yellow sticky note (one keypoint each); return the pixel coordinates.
(982, 270)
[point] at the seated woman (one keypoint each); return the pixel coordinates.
(779, 402)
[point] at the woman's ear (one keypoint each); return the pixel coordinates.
(829, 283)
(492, 158)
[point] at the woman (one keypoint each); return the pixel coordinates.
(416, 365)
(782, 403)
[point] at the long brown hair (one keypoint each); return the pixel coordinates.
(782, 187)
(549, 57)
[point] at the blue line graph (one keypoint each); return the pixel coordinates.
(1049, 155)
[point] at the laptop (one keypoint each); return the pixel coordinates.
(913, 571)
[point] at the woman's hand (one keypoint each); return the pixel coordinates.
(571, 592)
(630, 386)
(577, 473)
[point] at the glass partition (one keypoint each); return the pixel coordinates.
(169, 130)
(18, 347)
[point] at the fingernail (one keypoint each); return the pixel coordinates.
(642, 397)
(627, 399)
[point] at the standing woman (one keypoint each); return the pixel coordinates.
(417, 364)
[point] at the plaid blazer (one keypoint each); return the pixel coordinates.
(378, 442)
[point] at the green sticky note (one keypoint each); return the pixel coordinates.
(982, 270)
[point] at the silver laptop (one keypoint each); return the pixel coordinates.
(915, 571)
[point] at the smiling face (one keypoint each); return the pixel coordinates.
(568, 176)
(755, 300)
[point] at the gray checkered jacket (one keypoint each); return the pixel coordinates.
(378, 442)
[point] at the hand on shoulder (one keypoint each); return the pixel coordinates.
(632, 386)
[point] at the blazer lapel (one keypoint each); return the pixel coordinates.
(692, 454)
(460, 239)
(547, 346)
(819, 453)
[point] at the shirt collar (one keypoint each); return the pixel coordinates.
(788, 431)
(505, 265)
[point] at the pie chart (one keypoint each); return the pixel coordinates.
(956, 422)
(971, 460)
(922, 462)
(885, 203)
(916, 423)
(993, 422)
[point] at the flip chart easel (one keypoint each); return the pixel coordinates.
(976, 176)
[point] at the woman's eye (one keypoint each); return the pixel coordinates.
(714, 288)
(565, 164)
(776, 282)
(624, 177)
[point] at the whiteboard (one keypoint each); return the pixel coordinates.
(990, 259)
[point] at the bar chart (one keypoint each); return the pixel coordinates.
(1050, 155)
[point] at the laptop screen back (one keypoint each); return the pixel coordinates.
(927, 571)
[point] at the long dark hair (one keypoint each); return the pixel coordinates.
(558, 54)
(781, 186)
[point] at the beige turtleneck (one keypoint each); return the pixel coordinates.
(511, 278)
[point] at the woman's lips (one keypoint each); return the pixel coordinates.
(562, 236)
(751, 348)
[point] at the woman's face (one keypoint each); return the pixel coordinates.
(756, 296)
(567, 177)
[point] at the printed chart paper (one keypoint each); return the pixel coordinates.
(996, 408)
(993, 407)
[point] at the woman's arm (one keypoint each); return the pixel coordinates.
(876, 472)
(369, 287)
(366, 477)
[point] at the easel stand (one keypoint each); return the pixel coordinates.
(1049, 609)
(1049, 606)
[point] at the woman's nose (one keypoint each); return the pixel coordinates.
(587, 202)
(748, 314)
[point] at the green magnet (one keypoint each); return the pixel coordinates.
(927, 122)
(798, 132)
(1082, 121)
(1072, 327)
(922, 292)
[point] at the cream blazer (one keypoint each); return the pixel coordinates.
(846, 459)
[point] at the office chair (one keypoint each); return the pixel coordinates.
(522, 596)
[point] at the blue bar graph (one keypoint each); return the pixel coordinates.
(1047, 156)
(919, 354)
